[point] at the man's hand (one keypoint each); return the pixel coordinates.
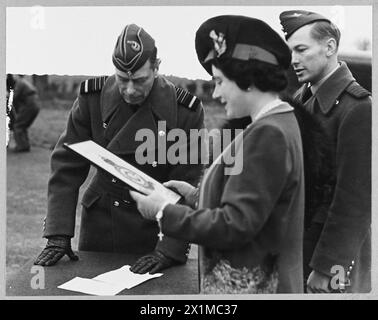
(185, 189)
(152, 263)
(56, 248)
(318, 283)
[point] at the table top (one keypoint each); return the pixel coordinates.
(182, 279)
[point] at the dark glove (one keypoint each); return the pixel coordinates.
(56, 248)
(153, 262)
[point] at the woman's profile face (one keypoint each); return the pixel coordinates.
(233, 98)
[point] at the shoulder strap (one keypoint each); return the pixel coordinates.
(92, 85)
(357, 91)
(186, 99)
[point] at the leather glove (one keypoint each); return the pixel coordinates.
(56, 248)
(152, 263)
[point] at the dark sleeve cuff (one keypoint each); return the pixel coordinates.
(174, 248)
(328, 265)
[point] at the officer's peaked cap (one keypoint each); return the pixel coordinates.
(240, 38)
(134, 46)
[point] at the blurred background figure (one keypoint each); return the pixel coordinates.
(26, 106)
(9, 107)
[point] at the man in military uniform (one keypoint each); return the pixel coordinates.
(337, 243)
(26, 106)
(110, 111)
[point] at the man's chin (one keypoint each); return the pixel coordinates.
(134, 101)
(303, 78)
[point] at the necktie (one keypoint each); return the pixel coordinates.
(307, 95)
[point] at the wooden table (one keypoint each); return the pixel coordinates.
(182, 279)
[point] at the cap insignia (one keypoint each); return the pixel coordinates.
(134, 45)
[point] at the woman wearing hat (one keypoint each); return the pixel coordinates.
(249, 221)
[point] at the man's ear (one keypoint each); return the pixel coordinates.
(331, 47)
(156, 66)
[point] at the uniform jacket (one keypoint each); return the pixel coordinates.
(344, 109)
(253, 219)
(110, 220)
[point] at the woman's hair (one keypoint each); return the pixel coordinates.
(264, 76)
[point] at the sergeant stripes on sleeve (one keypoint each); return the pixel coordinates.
(187, 99)
(93, 84)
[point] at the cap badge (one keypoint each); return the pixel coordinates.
(296, 15)
(219, 42)
(129, 73)
(134, 45)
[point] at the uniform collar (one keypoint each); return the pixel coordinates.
(161, 100)
(161, 105)
(332, 87)
(315, 87)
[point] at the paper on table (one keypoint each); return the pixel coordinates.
(91, 286)
(108, 283)
(126, 277)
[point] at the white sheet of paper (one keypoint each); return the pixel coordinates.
(91, 286)
(126, 277)
(108, 283)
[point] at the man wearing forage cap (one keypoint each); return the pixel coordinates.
(110, 111)
(337, 240)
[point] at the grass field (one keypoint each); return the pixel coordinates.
(27, 176)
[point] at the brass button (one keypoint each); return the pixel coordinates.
(104, 125)
(114, 180)
(116, 203)
(161, 133)
(154, 164)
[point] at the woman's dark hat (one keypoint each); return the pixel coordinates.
(240, 38)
